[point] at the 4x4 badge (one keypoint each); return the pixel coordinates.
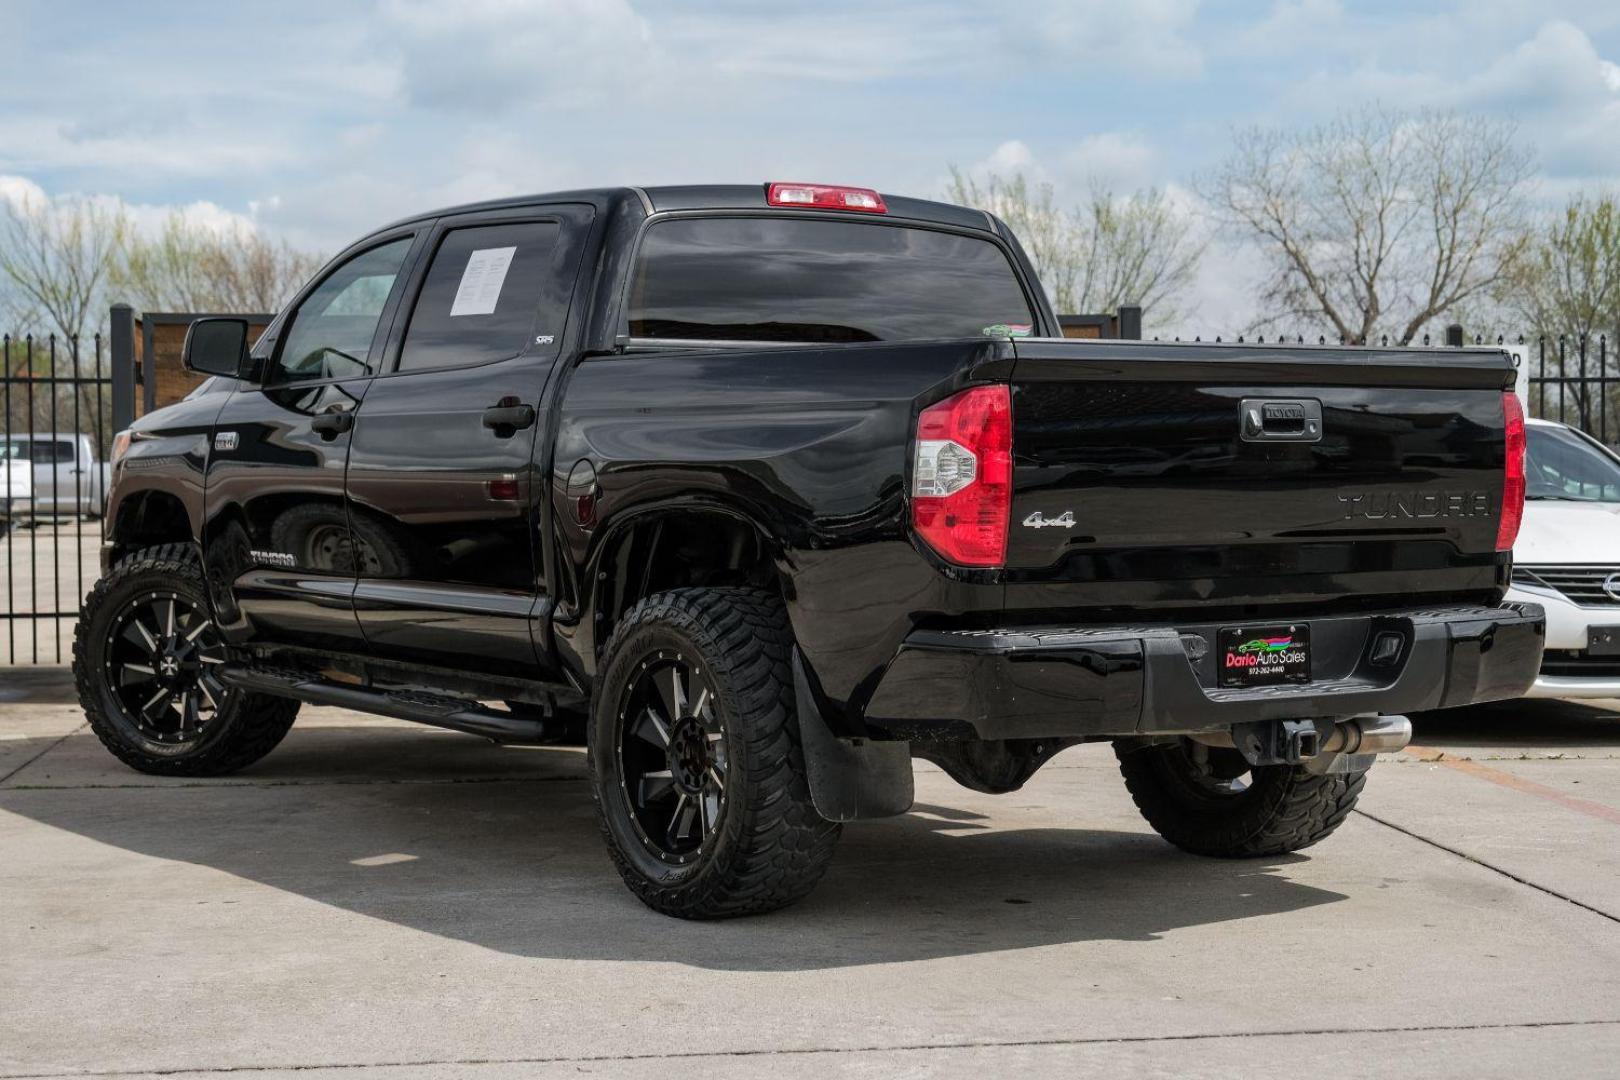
(1037, 520)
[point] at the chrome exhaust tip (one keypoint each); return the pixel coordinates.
(1369, 735)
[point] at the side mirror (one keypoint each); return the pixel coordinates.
(217, 347)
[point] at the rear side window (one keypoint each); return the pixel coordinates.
(780, 279)
(481, 295)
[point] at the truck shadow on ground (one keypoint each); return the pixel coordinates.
(500, 848)
(1543, 723)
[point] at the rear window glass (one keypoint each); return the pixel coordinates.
(775, 279)
(481, 295)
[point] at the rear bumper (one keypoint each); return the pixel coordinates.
(1574, 686)
(1047, 682)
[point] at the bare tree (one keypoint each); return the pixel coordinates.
(190, 266)
(1380, 221)
(56, 255)
(1112, 250)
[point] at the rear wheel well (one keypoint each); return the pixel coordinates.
(150, 518)
(676, 550)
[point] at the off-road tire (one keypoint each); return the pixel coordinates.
(1284, 808)
(770, 846)
(247, 727)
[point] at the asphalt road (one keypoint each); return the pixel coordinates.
(376, 900)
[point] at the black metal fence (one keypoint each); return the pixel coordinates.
(53, 390)
(1571, 383)
(58, 414)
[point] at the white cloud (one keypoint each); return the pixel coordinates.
(145, 218)
(1557, 65)
(20, 191)
(1011, 156)
(1147, 37)
(498, 55)
(1116, 161)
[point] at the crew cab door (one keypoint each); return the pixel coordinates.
(277, 541)
(443, 482)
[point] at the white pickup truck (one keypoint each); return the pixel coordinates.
(16, 489)
(53, 474)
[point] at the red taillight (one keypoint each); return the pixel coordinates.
(826, 197)
(1512, 473)
(961, 483)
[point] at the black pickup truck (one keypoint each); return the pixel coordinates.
(768, 490)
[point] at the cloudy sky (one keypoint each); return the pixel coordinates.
(319, 120)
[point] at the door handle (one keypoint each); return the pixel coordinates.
(507, 419)
(329, 425)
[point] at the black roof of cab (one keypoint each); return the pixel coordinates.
(717, 197)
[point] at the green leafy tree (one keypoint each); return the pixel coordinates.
(1568, 282)
(1566, 288)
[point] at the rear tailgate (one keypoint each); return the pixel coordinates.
(1222, 481)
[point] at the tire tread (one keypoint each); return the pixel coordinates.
(1291, 809)
(783, 848)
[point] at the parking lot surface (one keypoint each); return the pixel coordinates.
(379, 900)
(45, 567)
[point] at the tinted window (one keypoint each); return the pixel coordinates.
(42, 451)
(481, 295)
(330, 333)
(1561, 465)
(774, 279)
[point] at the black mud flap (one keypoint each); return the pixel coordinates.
(850, 779)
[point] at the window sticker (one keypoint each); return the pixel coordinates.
(481, 282)
(1007, 330)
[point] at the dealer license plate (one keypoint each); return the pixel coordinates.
(1264, 655)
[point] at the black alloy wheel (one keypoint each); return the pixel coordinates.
(672, 757)
(161, 655)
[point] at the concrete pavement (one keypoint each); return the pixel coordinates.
(384, 901)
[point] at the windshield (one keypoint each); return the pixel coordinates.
(14, 450)
(814, 280)
(1560, 464)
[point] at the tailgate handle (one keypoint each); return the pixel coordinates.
(1280, 420)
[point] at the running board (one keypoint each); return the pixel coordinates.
(457, 714)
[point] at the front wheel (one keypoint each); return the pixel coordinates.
(1210, 801)
(694, 747)
(146, 659)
